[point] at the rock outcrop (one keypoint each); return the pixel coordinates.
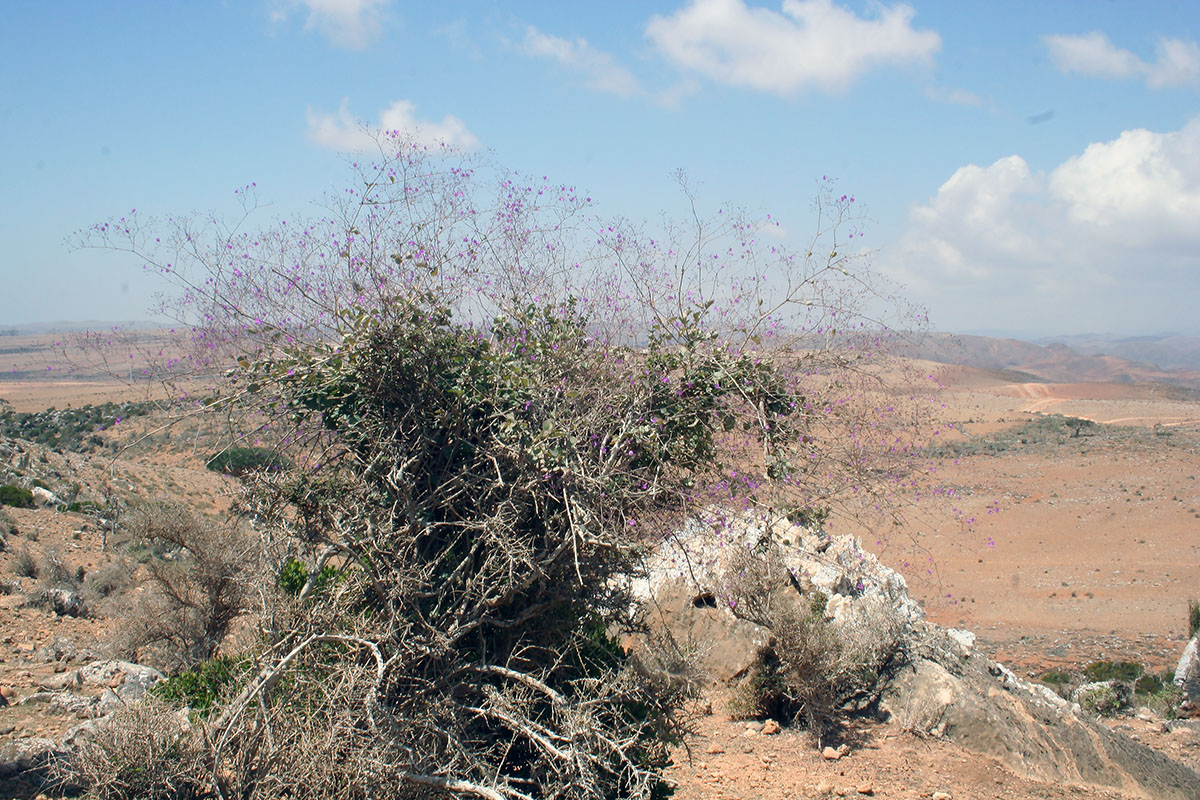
(942, 689)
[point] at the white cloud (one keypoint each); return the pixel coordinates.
(1177, 60)
(958, 97)
(1118, 218)
(599, 69)
(342, 131)
(353, 24)
(808, 43)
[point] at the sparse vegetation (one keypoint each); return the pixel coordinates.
(241, 461)
(16, 496)
(1037, 433)
(199, 585)
(1193, 618)
(25, 565)
(70, 428)
(813, 670)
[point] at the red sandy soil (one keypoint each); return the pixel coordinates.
(1094, 553)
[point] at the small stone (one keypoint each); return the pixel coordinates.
(830, 754)
(842, 791)
(843, 749)
(866, 789)
(770, 728)
(824, 787)
(754, 725)
(749, 732)
(942, 796)
(715, 749)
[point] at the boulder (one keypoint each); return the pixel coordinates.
(985, 707)
(134, 678)
(942, 688)
(64, 602)
(45, 497)
(1187, 673)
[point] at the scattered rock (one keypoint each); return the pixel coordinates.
(942, 796)
(64, 602)
(824, 787)
(714, 749)
(830, 754)
(866, 789)
(770, 728)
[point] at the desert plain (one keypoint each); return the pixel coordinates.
(1081, 548)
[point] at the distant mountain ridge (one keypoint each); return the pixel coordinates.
(1087, 358)
(1168, 351)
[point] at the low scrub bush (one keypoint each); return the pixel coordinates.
(146, 751)
(1193, 618)
(813, 670)
(15, 496)
(197, 588)
(199, 688)
(1124, 671)
(240, 461)
(70, 428)
(1104, 699)
(25, 565)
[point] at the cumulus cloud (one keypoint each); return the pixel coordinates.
(1177, 61)
(342, 131)
(807, 44)
(353, 24)
(598, 69)
(1119, 217)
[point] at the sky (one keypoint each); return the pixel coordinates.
(1027, 168)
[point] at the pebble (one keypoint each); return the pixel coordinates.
(942, 796)
(715, 749)
(830, 754)
(770, 728)
(866, 789)
(824, 787)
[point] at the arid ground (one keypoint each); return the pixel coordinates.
(1083, 548)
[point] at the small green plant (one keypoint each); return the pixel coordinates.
(1103, 699)
(15, 496)
(1193, 618)
(81, 507)
(239, 461)
(1055, 677)
(1124, 671)
(1148, 684)
(199, 688)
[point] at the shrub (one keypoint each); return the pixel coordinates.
(16, 497)
(500, 406)
(196, 591)
(240, 461)
(1104, 699)
(813, 670)
(25, 565)
(145, 751)
(200, 688)
(110, 579)
(1124, 671)
(1193, 618)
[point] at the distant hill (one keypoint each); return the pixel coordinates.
(1167, 351)
(1093, 359)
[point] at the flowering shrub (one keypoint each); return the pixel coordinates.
(497, 403)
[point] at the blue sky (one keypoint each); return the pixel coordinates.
(1029, 167)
